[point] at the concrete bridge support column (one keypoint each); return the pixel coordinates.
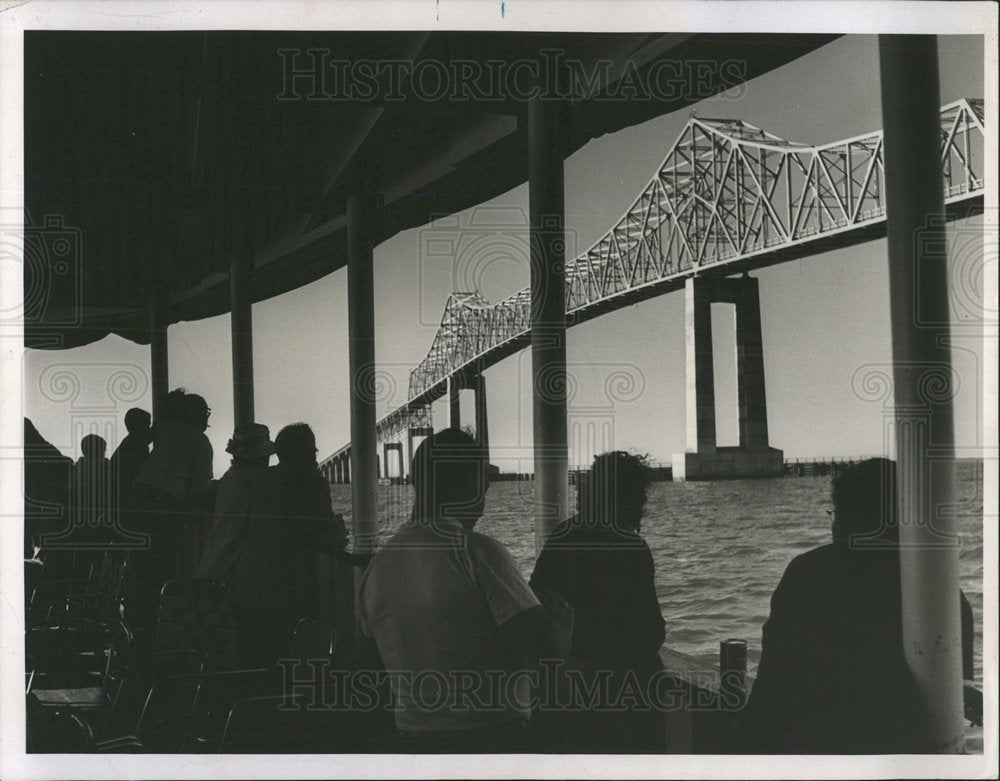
(390, 447)
(158, 356)
(704, 459)
(482, 424)
(752, 399)
(548, 314)
(241, 328)
(700, 372)
(411, 434)
(455, 401)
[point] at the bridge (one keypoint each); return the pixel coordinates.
(728, 198)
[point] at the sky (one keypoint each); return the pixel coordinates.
(825, 318)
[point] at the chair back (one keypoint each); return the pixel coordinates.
(196, 614)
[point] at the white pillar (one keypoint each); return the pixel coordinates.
(918, 293)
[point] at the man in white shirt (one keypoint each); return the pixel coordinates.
(457, 626)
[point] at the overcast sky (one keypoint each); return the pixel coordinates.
(824, 318)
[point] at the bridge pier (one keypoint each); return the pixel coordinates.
(455, 401)
(754, 457)
(412, 432)
(387, 448)
(482, 427)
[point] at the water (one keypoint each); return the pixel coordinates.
(720, 549)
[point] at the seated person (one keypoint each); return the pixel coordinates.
(833, 678)
(598, 562)
(448, 608)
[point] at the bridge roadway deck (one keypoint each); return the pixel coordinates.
(849, 236)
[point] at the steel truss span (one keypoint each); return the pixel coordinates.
(728, 197)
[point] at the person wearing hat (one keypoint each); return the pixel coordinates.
(277, 582)
(251, 448)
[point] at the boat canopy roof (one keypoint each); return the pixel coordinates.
(153, 158)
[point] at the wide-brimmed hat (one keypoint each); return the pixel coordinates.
(251, 441)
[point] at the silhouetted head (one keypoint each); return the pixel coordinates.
(613, 492)
(93, 446)
(449, 473)
(251, 445)
(173, 406)
(195, 412)
(137, 422)
(864, 504)
(296, 446)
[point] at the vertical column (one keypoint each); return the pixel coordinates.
(409, 449)
(700, 375)
(454, 401)
(918, 295)
(752, 400)
(387, 448)
(241, 325)
(361, 347)
(158, 356)
(482, 424)
(547, 243)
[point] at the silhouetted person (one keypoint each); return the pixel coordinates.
(598, 562)
(46, 489)
(275, 580)
(251, 448)
(132, 451)
(832, 677)
(442, 600)
(201, 504)
(169, 490)
(91, 499)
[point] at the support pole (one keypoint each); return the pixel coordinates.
(361, 346)
(918, 294)
(241, 327)
(158, 356)
(482, 424)
(454, 401)
(700, 372)
(548, 314)
(752, 399)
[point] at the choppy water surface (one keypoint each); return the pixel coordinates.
(720, 549)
